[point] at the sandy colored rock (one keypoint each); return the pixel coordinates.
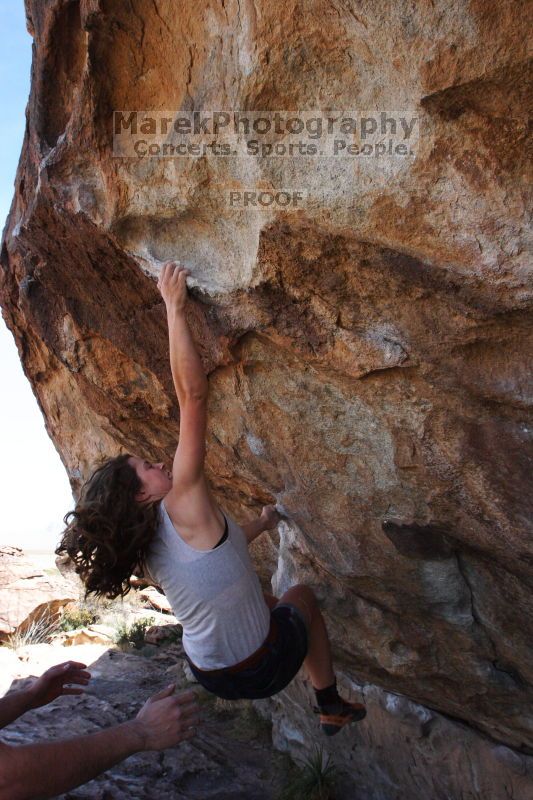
(159, 634)
(367, 354)
(93, 634)
(155, 599)
(28, 594)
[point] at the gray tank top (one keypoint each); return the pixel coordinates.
(215, 594)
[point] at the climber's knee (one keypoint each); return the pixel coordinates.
(270, 600)
(304, 599)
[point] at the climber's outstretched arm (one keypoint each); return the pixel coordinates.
(190, 381)
(187, 369)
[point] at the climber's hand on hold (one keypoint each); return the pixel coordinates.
(172, 285)
(270, 517)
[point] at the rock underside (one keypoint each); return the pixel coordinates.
(367, 354)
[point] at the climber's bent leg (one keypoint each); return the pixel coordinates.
(318, 661)
(270, 600)
(335, 712)
(298, 636)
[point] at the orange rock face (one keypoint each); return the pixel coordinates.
(369, 353)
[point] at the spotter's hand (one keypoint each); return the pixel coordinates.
(51, 684)
(167, 719)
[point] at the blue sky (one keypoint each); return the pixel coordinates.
(35, 492)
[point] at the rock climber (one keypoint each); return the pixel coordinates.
(136, 515)
(47, 769)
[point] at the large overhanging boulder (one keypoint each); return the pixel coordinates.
(367, 352)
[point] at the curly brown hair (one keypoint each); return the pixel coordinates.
(109, 532)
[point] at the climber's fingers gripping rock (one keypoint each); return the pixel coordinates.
(270, 516)
(172, 285)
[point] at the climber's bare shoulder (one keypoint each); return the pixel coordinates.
(195, 513)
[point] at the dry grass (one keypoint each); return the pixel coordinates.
(39, 631)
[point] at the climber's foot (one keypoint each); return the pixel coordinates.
(334, 718)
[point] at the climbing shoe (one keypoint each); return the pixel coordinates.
(334, 718)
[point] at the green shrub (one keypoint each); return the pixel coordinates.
(315, 780)
(133, 636)
(77, 618)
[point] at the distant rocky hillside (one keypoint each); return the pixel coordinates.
(29, 592)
